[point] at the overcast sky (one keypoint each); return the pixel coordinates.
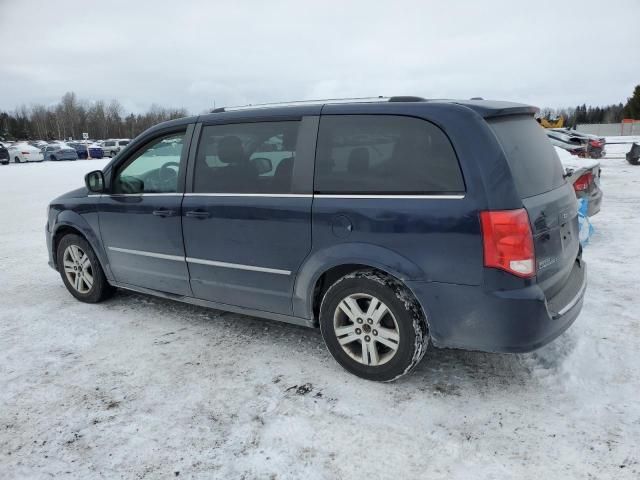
(183, 53)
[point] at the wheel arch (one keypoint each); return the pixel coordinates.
(71, 222)
(323, 268)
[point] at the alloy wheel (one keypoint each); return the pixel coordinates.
(78, 269)
(366, 329)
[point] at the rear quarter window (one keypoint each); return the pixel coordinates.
(534, 164)
(384, 154)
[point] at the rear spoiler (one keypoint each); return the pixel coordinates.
(493, 108)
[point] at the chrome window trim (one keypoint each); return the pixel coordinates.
(237, 266)
(309, 195)
(173, 194)
(135, 194)
(439, 197)
(268, 195)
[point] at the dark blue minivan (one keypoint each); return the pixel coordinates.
(387, 223)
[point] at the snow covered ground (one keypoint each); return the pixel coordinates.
(138, 387)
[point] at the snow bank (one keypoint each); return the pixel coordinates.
(139, 387)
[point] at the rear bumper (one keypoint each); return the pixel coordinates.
(513, 321)
(595, 200)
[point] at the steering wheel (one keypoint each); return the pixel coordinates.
(167, 175)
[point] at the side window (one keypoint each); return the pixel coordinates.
(384, 154)
(246, 158)
(153, 169)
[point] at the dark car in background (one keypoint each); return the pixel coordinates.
(81, 150)
(4, 155)
(95, 151)
(390, 225)
(56, 152)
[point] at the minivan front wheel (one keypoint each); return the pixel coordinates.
(373, 326)
(80, 270)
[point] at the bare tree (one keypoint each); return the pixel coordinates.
(71, 117)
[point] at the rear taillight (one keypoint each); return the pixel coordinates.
(583, 182)
(25, 153)
(508, 242)
(595, 143)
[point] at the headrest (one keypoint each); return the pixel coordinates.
(230, 150)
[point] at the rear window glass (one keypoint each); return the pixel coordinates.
(534, 164)
(384, 154)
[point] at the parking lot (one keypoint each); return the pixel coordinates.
(139, 387)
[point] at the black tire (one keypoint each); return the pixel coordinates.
(52, 158)
(5, 163)
(409, 320)
(17, 160)
(100, 289)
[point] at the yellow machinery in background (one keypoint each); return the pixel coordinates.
(547, 122)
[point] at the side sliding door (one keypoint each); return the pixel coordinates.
(246, 214)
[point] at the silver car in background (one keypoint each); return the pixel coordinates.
(56, 152)
(114, 146)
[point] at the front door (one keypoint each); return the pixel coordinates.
(247, 213)
(140, 219)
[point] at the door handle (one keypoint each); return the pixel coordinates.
(197, 214)
(163, 212)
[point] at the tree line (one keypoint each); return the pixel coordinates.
(71, 117)
(589, 114)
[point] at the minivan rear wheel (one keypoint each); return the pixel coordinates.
(373, 326)
(81, 271)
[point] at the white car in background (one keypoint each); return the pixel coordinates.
(114, 146)
(23, 152)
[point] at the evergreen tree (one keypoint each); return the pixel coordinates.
(632, 108)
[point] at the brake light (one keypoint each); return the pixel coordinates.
(25, 153)
(595, 143)
(583, 182)
(508, 242)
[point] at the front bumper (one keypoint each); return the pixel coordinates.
(510, 321)
(49, 236)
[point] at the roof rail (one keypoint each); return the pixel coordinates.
(407, 98)
(305, 102)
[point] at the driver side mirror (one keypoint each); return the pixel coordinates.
(263, 165)
(94, 181)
